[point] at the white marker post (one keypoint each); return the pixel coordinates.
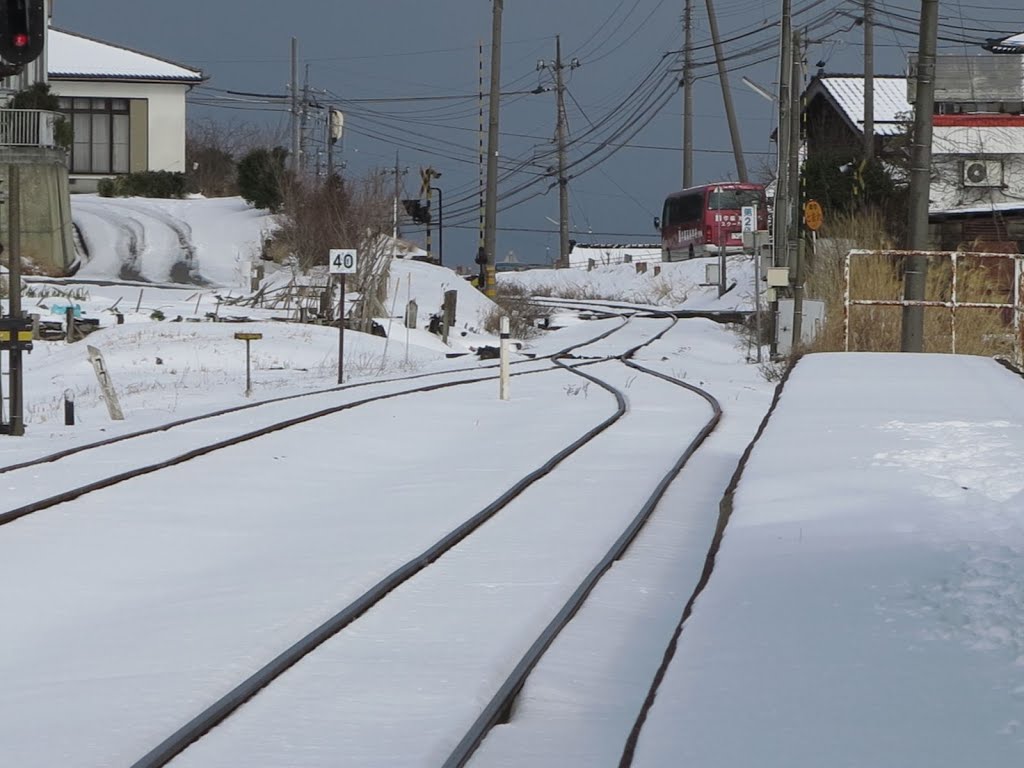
(342, 261)
(106, 385)
(503, 389)
(748, 215)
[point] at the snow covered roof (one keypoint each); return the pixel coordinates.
(891, 105)
(1011, 44)
(71, 56)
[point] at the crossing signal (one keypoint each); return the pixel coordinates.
(22, 30)
(418, 210)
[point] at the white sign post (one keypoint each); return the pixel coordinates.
(342, 262)
(748, 216)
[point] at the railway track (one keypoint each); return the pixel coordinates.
(80, 470)
(500, 704)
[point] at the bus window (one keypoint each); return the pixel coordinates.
(733, 199)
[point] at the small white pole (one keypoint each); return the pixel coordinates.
(503, 392)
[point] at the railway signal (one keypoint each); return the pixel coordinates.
(22, 30)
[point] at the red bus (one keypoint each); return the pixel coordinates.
(701, 220)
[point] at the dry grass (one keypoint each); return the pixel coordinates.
(979, 331)
(514, 303)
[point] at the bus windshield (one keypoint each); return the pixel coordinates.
(733, 199)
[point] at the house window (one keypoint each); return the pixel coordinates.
(101, 128)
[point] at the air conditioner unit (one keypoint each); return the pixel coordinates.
(983, 173)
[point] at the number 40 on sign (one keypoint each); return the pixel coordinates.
(343, 261)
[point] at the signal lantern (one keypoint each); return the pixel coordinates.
(22, 30)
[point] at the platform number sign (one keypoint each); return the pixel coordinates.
(748, 217)
(343, 261)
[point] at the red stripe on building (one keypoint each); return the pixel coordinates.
(990, 120)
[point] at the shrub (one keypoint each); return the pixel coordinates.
(158, 184)
(513, 301)
(261, 176)
(105, 188)
(38, 96)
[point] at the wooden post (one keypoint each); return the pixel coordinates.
(448, 314)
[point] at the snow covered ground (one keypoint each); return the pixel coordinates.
(866, 607)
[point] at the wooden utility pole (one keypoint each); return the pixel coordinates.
(730, 113)
(688, 94)
(912, 331)
(869, 80)
(491, 203)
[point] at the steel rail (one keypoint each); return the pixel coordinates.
(57, 455)
(221, 709)
(724, 515)
(499, 707)
(209, 447)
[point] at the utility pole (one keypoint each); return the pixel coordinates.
(17, 423)
(730, 113)
(295, 108)
(781, 203)
(912, 332)
(795, 245)
(688, 94)
(303, 124)
(491, 205)
(399, 173)
(869, 80)
(560, 139)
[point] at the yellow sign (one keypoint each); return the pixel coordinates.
(21, 336)
(248, 336)
(813, 215)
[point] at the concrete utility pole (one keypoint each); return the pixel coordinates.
(688, 94)
(17, 422)
(869, 80)
(560, 137)
(782, 213)
(795, 245)
(296, 138)
(730, 113)
(912, 332)
(491, 204)
(304, 124)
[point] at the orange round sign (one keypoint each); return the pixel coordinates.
(813, 215)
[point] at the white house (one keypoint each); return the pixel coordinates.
(127, 108)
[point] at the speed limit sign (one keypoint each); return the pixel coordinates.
(343, 261)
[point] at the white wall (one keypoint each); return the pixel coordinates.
(166, 114)
(953, 145)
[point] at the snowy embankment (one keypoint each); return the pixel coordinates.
(167, 360)
(678, 284)
(867, 605)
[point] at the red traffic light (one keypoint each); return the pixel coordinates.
(20, 40)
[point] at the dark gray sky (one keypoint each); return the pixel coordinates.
(396, 49)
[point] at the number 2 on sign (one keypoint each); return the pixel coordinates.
(343, 261)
